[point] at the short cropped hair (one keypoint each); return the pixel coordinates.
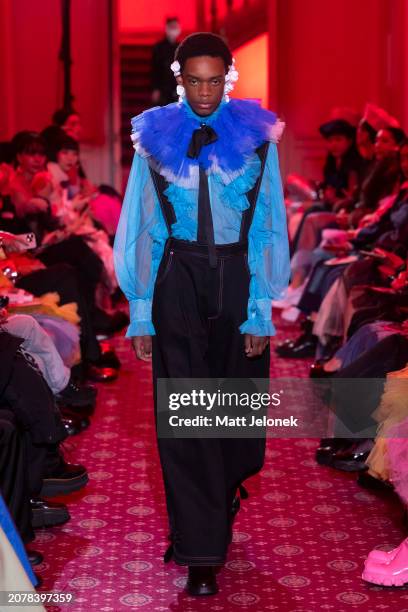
(203, 43)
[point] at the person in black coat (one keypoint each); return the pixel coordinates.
(163, 81)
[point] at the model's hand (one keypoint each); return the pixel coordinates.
(255, 345)
(142, 345)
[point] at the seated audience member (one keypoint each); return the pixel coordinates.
(341, 174)
(343, 162)
(384, 180)
(72, 206)
(106, 202)
(356, 409)
(384, 177)
(68, 249)
(62, 279)
(25, 393)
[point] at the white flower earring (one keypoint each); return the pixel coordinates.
(176, 69)
(230, 80)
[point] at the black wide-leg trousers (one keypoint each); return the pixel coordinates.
(196, 312)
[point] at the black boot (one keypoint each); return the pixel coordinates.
(201, 580)
(302, 347)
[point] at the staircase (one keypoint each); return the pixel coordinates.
(135, 60)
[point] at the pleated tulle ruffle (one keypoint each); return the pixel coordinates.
(163, 134)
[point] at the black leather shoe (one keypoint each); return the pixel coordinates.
(76, 395)
(328, 448)
(300, 348)
(353, 459)
(201, 580)
(48, 514)
(66, 479)
(79, 421)
(34, 556)
(74, 425)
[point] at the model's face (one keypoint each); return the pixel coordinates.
(31, 162)
(203, 79)
(338, 144)
(73, 127)
(67, 159)
(385, 144)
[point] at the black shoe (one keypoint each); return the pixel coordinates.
(34, 557)
(48, 514)
(75, 395)
(71, 427)
(201, 580)
(74, 424)
(66, 479)
(353, 459)
(301, 348)
(328, 448)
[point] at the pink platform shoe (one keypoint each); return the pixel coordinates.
(382, 556)
(393, 573)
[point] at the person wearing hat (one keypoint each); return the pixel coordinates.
(201, 250)
(341, 173)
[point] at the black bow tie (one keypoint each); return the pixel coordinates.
(201, 137)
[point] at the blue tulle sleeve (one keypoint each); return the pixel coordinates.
(268, 251)
(139, 245)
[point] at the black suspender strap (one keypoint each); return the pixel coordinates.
(205, 230)
(252, 195)
(160, 185)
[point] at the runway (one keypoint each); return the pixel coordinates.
(299, 542)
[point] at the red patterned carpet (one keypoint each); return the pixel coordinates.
(299, 542)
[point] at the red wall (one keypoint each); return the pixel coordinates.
(34, 86)
(139, 15)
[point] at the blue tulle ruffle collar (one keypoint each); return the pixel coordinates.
(162, 135)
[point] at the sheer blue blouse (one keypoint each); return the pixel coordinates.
(142, 233)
